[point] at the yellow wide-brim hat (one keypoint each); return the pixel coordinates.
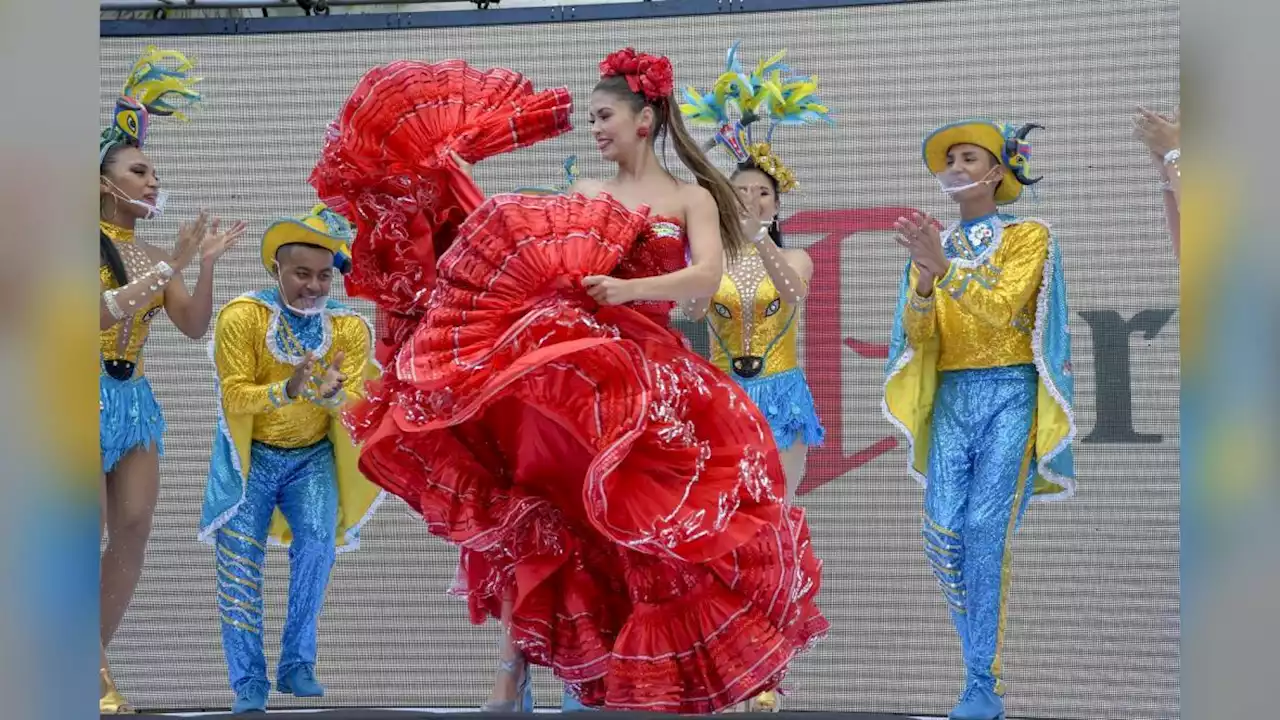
(1008, 144)
(321, 227)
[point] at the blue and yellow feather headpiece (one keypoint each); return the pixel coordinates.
(570, 167)
(770, 90)
(159, 84)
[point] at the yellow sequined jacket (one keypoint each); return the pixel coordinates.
(983, 311)
(254, 350)
(1001, 303)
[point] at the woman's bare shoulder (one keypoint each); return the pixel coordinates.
(589, 187)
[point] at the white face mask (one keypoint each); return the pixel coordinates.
(152, 211)
(317, 307)
(156, 210)
(957, 181)
(755, 230)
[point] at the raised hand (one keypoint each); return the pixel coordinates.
(920, 236)
(755, 230)
(190, 236)
(331, 381)
(301, 375)
(218, 241)
(463, 165)
(1160, 133)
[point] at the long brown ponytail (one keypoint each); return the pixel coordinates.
(669, 120)
(727, 201)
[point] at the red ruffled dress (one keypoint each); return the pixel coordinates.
(623, 490)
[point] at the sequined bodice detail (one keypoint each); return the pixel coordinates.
(754, 332)
(121, 344)
(662, 249)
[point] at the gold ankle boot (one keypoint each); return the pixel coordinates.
(766, 701)
(112, 702)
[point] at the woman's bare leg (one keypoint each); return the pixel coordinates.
(506, 684)
(102, 527)
(793, 463)
(109, 698)
(131, 491)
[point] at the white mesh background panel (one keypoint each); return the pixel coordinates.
(1094, 612)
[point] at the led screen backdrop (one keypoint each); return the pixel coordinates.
(1095, 610)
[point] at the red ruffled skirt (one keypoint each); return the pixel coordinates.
(387, 165)
(621, 489)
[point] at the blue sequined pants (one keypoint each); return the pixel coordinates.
(981, 459)
(301, 481)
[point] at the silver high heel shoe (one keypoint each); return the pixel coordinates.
(523, 701)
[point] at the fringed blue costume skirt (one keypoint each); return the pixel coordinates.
(128, 417)
(787, 404)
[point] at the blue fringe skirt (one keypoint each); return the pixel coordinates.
(128, 417)
(787, 404)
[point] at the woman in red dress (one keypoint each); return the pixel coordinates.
(617, 501)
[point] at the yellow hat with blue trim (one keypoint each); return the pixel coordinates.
(321, 227)
(1008, 144)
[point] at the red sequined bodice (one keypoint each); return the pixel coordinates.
(662, 249)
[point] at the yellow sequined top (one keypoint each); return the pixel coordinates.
(255, 357)
(124, 340)
(753, 330)
(984, 308)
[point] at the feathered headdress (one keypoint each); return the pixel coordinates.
(159, 84)
(570, 167)
(771, 90)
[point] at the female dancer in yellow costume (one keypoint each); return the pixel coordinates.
(754, 317)
(137, 282)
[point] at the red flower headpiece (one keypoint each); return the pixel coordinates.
(648, 75)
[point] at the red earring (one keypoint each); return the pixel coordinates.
(642, 131)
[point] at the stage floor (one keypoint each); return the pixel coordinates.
(445, 714)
